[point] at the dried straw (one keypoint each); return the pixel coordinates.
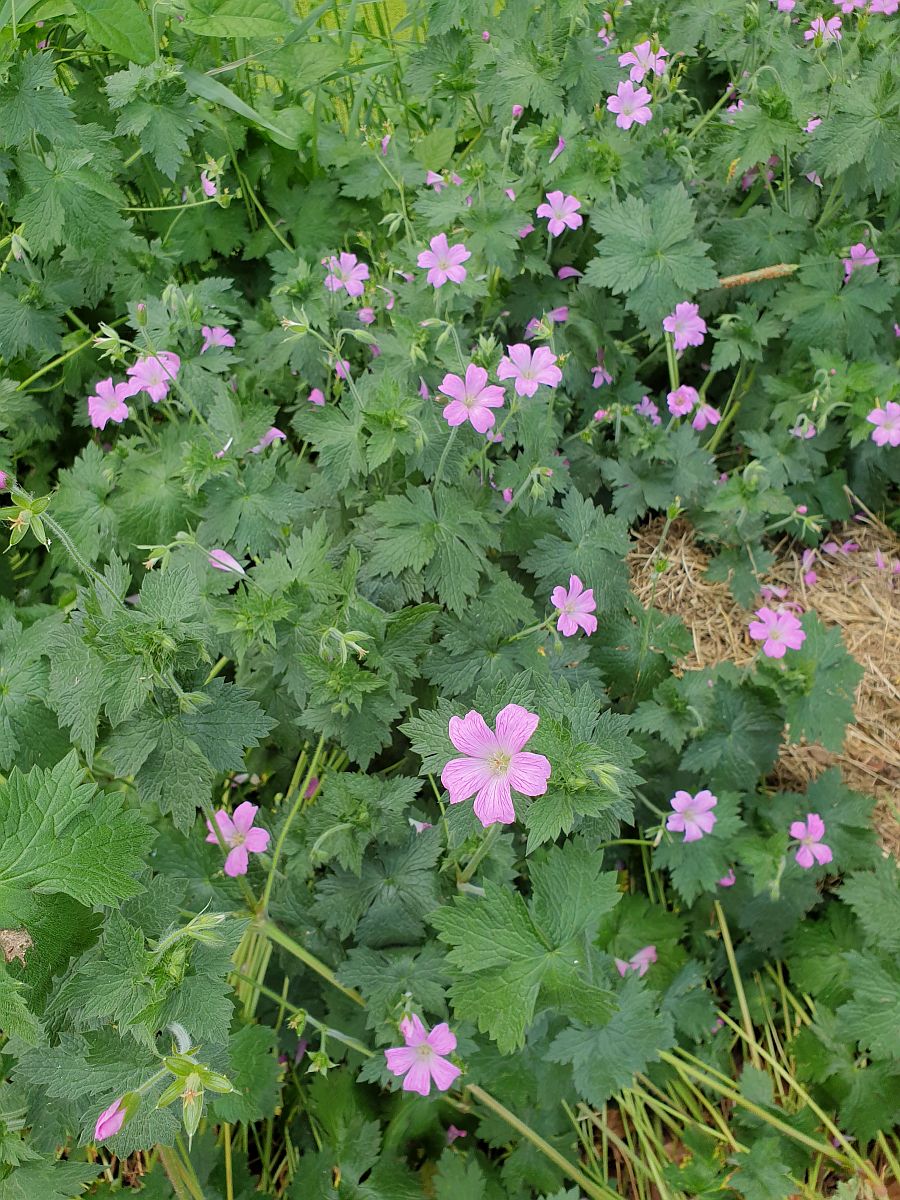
(853, 593)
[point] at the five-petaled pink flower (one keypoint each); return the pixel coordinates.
(215, 335)
(444, 261)
(809, 834)
(472, 398)
(705, 415)
(646, 408)
(887, 424)
(110, 1120)
(643, 59)
(640, 962)
(423, 1059)
(223, 561)
(273, 434)
(346, 272)
(495, 763)
(692, 815)
(108, 403)
(861, 255)
(682, 400)
(561, 212)
(575, 604)
(847, 6)
(821, 31)
(778, 631)
(631, 105)
(686, 325)
(241, 835)
(154, 374)
(529, 368)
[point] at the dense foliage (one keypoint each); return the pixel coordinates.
(341, 347)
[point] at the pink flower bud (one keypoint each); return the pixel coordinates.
(110, 1120)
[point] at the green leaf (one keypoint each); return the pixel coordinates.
(254, 1074)
(593, 547)
(32, 103)
(118, 25)
(457, 1176)
(871, 1019)
(16, 1017)
(875, 898)
(237, 18)
(49, 1179)
(761, 1174)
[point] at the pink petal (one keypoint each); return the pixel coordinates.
(528, 773)
(400, 1059)
(244, 815)
(237, 861)
(443, 1073)
(815, 826)
(514, 726)
(453, 386)
(470, 734)
(463, 777)
(804, 857)
(418, 1077)
(493, 804)
(798, 829)
(821, 853)
(257, 840)
(622, 967)
(441, 1039)
(413, 1030)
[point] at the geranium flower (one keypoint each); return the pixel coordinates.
(640, 962)
(346, 272)
(558, 149)
(778, 632)
(646, 408)
(471, 399)
(686, 325)
(271, 435)
(887, 7)
(494, 763)
(422, 1060)
(632, 106)
(529, 369)
(561, 212)
(223, 561)
(729, 879)
(861, 255)
(517, 111)
(241, 835)
(215, 335)
(887, 424)
(444, 261)
(317, 397)
(705, 415)
(209, 186)
(108, 403)
(432, 179)
(821, 31)
(600, 373)
(812, 124)
(682, 400)
(153, 375)
(786, 5)
(453, 1133)
(575, 605)
(809, 834)
(110, 1120)
(692, 815)
(847, 6)
(569, 273)
(643, 59)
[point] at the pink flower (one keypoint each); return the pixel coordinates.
(471, 399)
(223, 561)
(811, 124)
(600, 373)
(822, 31)
(804, 429)
(561, 212)
(270, 436)
(630, 105)
(560, 146)
(682, 400)
(847, 6)
(317, 397)
(153, 375)
(729, 879)
(110, 1120)
(342, 369)
(422, 1060)
(524, 231)
(385, 142)
(646, 408)
(640, 962)
(643, 59)
(4, 479)
(366, 316)
(529, 369)
(494, 763)
(215, 335)
(486, 35)
(346, 272)
(692, 815)
(507, 494)
(420, 826)
(786, 5)
(809, 834)
(432, 179)
(887, 7)
(108, 403)
(559, 314)
(778, 631)
(575, 605)
(444, 262)
(568, 273)
(210, 187)
(453, 1133)
(887, 424)
(686, 325)
(517, 111)
(705, 415)
(239, 833)
(509, 193)
(814, 178)
(860, 256)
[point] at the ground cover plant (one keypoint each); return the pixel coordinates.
(362, 837)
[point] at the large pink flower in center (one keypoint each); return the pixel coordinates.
(495, 763)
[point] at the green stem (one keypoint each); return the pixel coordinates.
(344, 1038)
(672, 361)
(270, 930)
(487, 842)
(300, 790)
(738, 984)
(70, 548)
(440, 467)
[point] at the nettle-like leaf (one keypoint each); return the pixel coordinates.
(354, 811)
(593, 547)
(510, 959)
(154, 107)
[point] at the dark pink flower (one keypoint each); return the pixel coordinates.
(778, 631)
(524, 231)
(453, 1133)
(861, 255)
(346, 272)
(507, 494)
(682, 400)
(241, 835)
(630, 106)
(444, 262)
(692, 815)
(568, 273)
(809, 834)
(561, 212)
(317, 397)
(223, 561)
(575, 604)
(110, 1120)
(643, 60)
(729, 879)
(495, 763)
(560, 146)
(639, 962)
(517, 111)
(108, 403)
(705, 415)
(471, 399)
(154, 374)
(686, 325)
(887, 424)
(529, 369)
(215, 335)
(422, 1060)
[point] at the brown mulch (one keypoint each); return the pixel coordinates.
(853, 593)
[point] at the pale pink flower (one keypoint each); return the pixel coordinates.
(646, 408)
(568, 273)
(524, 231)
(575, 604)
(346, 272)
(778, 631)
(444, 262)
(887, 7)
(561, 212)
(209, 186)
(630, 105)
(509, 193)
(423, 1058)
(154, 374)
(600, 373)
(848, 6)
(317, 397)
(271, 435)
(821, 31)
(861, 255)
(643, 60)
(560, 146)
(786, 5)
(471, 399)
(342, 369)
(495, 763)
(223, 561)
(432, 179)
(108, 403)
(686, 325)
(420, 826)
(241, 835)
(809, 834)
(215, 335)
(453, 1133)
(705, 415)
(814, 178)
(692, 815)
(110, 1120)
(529, 368)
(729, 879)
(601, 414)
(682, 400)
(887, 424)
(366, 316)
(804, 429)
(812, 124)
(639, 962)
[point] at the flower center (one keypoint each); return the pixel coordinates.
(443, 263)
(424, 1051)
(499, 762)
